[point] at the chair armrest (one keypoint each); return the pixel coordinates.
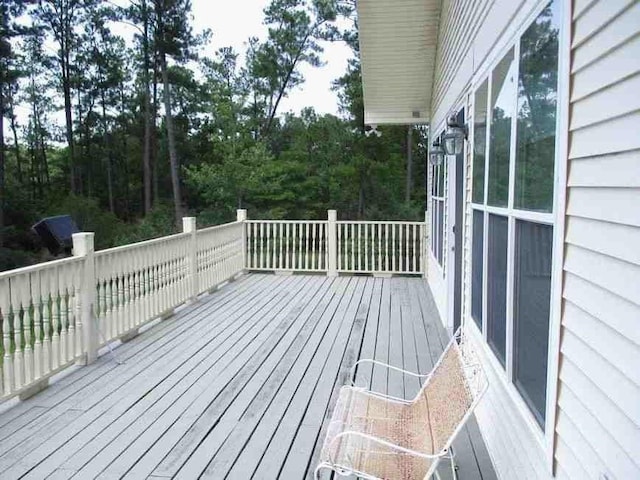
(385, 365)
(388, 444)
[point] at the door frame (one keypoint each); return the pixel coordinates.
(455, 231)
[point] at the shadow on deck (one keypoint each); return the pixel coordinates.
(235, 386)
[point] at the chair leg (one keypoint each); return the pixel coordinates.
(454, 473)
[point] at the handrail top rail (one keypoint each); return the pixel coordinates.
(218, 227)
(143, 243)
(39, 266)
(355, 222)
(377, 222)
(288, 221)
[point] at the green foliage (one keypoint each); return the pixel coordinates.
(157, 223)
(90, 217)
(233, 147)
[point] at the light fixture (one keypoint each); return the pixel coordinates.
(372, 130)
(453, 140)
(436, 154)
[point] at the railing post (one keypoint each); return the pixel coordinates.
(424, 238)
(83, 246)
(189, 226)
(241, 216)
(332, 243)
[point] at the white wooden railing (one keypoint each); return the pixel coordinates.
(380, 247)
(41, 321)
(60, 313)
(335, 247)
(283, 245)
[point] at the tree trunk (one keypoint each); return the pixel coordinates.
(39, 139)
(146, 157)
(16, 145)
(66, 87)
(2, 165)
(407, 195)
(107, 151)
(154, 139)
(125, 149)
(173, 156)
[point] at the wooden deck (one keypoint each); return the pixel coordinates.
(234, 386)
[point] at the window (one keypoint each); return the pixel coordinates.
(497, 285)
(438, 179)
(479, 141)
(532, 298)
(536, 130)
(502, 95)
(512, 218)
(477, 249)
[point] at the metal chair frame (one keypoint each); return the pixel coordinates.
(476, 379)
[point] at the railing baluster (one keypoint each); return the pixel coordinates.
(340, 263)
(393, 249)
(36, 294)
(261, 252)
(359, 246)
(55, 319)
(18, 353)
(273, 249)
(255, 245)
(366, 247)
(406, 247)
(315, 247)
(46, 321)
(300, 226)
(287, 247)
(401, 251)
(386, 247)
(27, 322)
(306, 251)
(7, 362)
(379, 247)
(415, 252)
(79, 341)
(64, 316)
(113, 289)
(353, 249)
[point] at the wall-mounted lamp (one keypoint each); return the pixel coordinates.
(372, 130)
(454, 139)
(436, 154)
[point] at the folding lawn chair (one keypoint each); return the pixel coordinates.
(376, 436)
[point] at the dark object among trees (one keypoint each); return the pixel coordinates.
(56, 233)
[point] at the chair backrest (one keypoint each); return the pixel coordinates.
(450, 393)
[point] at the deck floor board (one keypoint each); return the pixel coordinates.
(238, 385)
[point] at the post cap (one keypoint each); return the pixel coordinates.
(188, 224)
(83, 243)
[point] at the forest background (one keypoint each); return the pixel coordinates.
(129, 136)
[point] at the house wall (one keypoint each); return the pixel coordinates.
(472, 36)
(596, 430)
(598, 419)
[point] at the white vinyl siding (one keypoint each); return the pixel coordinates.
(598, 420)
(472, 38)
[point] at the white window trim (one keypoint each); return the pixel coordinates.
(544, 438)
(559, 208)
(433, 199)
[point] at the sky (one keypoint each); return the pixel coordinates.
(234, 21)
